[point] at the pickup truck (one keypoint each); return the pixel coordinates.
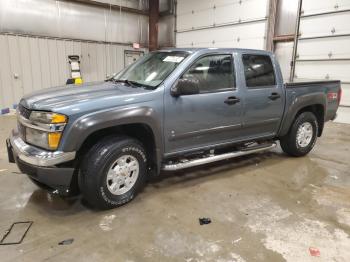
(170, 110)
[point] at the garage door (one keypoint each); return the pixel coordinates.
(324, 43)
(221, 23)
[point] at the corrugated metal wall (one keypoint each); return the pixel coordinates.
(32, 63)
(72, 20)
(222, 23)
(323, 50)
(36, 37)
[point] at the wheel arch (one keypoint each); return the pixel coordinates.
(140, 123)
(315, 104)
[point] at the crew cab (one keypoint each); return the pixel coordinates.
(170, 110)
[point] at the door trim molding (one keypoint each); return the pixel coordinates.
(175, 137)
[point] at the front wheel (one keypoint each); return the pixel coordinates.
(113, 172)
(302, 135)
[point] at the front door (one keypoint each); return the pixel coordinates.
(263, 97)
(211, 117)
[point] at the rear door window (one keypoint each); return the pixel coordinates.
(258, 71)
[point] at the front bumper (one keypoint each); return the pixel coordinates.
(40, 164)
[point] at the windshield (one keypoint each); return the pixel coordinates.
(152, 69)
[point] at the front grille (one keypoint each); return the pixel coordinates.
(24, 111)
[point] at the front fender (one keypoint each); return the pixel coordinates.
(84, 126)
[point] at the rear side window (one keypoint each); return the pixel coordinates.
(258, 71)
(213, 72)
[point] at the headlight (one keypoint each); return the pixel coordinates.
(45, 129)
(43, 139)
(47, 117)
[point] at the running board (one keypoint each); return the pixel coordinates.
(214, 158)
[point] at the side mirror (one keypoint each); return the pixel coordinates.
(185, 86)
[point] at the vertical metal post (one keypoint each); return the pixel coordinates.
(271, 24)
(153, 24)
(175, 22)
(295, 46)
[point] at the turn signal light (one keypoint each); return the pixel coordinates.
(58, 118)
(54, 140)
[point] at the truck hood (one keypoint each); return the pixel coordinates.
(96, 95)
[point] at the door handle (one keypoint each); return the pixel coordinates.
(232, 100)
(274, 96)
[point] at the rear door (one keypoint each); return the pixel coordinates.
(263, 96)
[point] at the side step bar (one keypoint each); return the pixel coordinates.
(214, 158)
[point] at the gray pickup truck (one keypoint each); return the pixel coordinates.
(170, 110)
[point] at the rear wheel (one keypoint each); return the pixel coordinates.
(302, 135)
(113, 172)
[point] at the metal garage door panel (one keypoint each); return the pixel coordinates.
(85, 62)
(16, 68)
(337, 47)
(200, 18)
(323, 25)
(337, 70)
(26, 64)
(191, 14)
(120, 57)
(317, 6)
(345, 100)
(230, 11)
(245, 36)
(35, 63)
(45, 63)
(77, 48)
(101, 62)
(184, 6)
(113, 58)
(108, 59)
(68, 45)
(53, 60)
(93, 61)
(7, 96)
(62, 62)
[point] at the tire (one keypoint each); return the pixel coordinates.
(302, 145)
(124, 158)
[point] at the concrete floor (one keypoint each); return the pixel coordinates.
(266, 207)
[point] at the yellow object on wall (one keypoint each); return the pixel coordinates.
(78, 81)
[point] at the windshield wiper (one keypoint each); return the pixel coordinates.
(132, 83)
(126, 81)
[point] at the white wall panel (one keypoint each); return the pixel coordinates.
(239, 36)
(15, 66)
(7, 85)
(30, 63)
(331, 24)
(317, 6)
(221, 23)
(35, 63)
(197, 14)
(323, 70)
(324, 48)
(327, 53)
(26, 60)
(227, 11)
